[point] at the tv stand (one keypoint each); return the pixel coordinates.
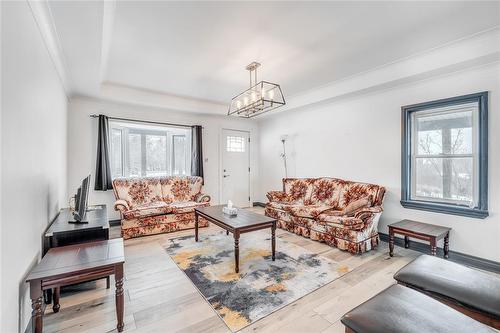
(64, 231)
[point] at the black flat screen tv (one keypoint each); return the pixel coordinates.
(81, 201)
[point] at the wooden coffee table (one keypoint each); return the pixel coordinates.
(428, 232)
(244, 222)
(72, 264)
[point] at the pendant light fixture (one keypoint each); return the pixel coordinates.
(259, 98)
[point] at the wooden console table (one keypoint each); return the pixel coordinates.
(77, 263)
(62, 233)
(428, 232)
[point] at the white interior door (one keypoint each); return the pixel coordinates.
(236, 167)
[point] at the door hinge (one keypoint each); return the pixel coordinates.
(248, 198)
(248, 139)
(248, 169)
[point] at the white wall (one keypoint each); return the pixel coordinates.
(82, 142)
(33, 138)
(359, 138)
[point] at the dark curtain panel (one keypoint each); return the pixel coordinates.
(196, 151)
(103, 169)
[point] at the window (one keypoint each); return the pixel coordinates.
(235, 144)
(444, 156)
(139, 149)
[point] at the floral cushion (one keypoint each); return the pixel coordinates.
(341, 221)
(311, 211)
(150, 209)
(355, 191)
(298, 190)
(326, 191)
(283, 206)
(186, 206)
(138, 191)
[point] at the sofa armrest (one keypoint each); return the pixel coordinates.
(367, 212)
(121, 205)
(201, 197)
(277, 196)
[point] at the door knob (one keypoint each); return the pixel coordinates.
(226, 176)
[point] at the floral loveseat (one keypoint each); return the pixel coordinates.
(153, 205)
(341, 213)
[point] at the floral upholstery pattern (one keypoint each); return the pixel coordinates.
(313, 208)
(152, 205)
(150, 209)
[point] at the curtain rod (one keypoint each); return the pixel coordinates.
(143, 121)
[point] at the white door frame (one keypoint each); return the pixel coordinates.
(221, 152)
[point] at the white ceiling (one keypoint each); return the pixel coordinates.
(199, 49)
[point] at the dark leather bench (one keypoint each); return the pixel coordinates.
(402, 309)
(469, 291)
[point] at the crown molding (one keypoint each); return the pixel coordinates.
(45, 22)
(473, 51)
(138, 96)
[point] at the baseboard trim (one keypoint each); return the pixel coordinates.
(458, 257)
(114, 223)
(259, 204)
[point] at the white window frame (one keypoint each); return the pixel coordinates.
(135, 128)
(474, 154)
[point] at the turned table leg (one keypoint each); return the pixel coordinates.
(119, 296)
(446, 245)
(391, 242)
(57, 294)
(433, 246)
(273, 240)
(236, 251)
(195, 226)
(407, 242)
(36, 305)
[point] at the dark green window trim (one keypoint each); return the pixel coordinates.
(481, 209)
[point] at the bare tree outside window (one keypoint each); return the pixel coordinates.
(444, 155)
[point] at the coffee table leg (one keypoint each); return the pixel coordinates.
(36, 305)
(195, 226)
(119, 296)
(391, 242)
(57, 294)
(446, 245)
(236, 251)
(433, 246)
(273, 240)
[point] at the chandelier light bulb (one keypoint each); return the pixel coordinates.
(263, 93)
(238, 104)
(245, 100)
(271, 94)
(254, 96)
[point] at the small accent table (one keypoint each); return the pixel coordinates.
(72, 264)
(428, 232)
(245, 221)
(62, 233)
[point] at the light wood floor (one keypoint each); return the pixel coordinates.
(160, 298)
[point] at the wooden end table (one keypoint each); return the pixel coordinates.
(244, 222)
(72, 264)
(428, 232)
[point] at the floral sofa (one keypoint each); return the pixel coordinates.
(341, 213)
(153, 205)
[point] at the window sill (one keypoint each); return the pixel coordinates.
(445, 209)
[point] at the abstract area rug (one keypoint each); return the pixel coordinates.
(262, 286)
